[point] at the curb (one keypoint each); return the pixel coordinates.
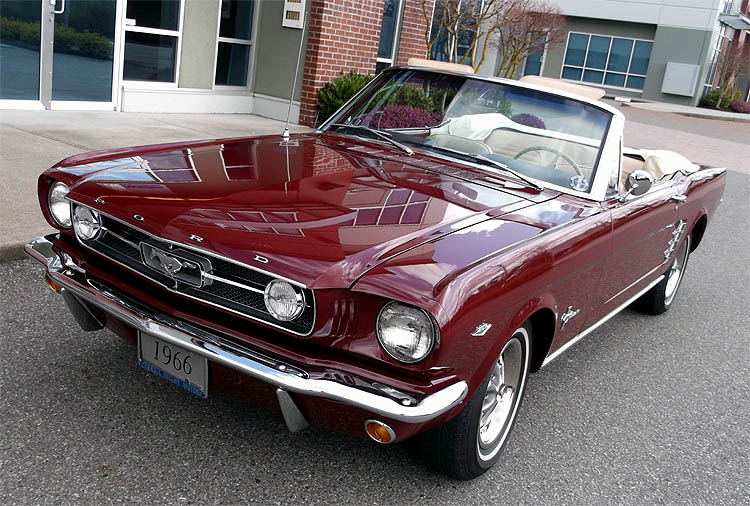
(12, 251)
(697, 113)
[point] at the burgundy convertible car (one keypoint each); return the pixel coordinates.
(398, 272)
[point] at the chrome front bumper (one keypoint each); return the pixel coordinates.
(372, 397)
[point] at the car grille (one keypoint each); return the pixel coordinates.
(229, 285)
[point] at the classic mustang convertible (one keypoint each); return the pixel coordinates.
(398, 272)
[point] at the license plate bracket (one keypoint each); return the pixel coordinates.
(172, 362)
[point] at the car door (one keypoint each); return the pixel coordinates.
(643, 229)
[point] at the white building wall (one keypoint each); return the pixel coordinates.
(693, 14)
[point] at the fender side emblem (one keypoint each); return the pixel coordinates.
(568, 315)
(481, 329)
(260, 259)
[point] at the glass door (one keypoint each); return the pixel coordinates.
(59, 51)
(20, 49)
(83, 53)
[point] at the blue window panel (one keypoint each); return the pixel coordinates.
(619, 57)
(641, 57)
(598, 50)
(615, 80)
(388, 25)
(636, 82)
(572, 73)
(533, 64)
(576, 54)
(593, 76)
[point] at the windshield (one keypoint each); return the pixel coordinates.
(541, 135)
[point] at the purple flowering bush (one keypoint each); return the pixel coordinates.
(400, 116)
(740, 106)
(529, 120)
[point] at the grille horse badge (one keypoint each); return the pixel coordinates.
(179, 265)
(171, 265)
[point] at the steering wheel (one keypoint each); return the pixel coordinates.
(559, 154)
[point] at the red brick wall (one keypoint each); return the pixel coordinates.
(413, 42)
(342, 35)
(345, 35)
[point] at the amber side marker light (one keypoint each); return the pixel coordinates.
(55, 287)
(380, 432)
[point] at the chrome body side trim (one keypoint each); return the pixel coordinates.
(596, 325)
(257, 365)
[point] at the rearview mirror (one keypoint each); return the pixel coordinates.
(638, 183)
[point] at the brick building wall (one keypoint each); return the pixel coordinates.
(344, 35)
(413, 42)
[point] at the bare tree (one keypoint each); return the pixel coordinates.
(734, 64)
(526, 27)
(466, 29)
(462, 24)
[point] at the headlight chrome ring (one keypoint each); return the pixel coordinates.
(283, 300)
(58, 204)
(87, 223)
(406, 333)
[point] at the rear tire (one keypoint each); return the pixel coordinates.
(471, 443)
(660, 298)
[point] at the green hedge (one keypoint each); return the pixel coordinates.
(711, 98)
(334, 94)
(67, 40)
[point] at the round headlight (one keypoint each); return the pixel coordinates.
(405, 332)
(59, 205)
(283, 300)
(86, 223)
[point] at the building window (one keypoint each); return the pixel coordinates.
(442, 47)
(535, 60)
(152, 35)
(388, 34)
(235, 42)
(612, 61)
(721, 48)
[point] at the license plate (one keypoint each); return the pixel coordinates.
(173, 363)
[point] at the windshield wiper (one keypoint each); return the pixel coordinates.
(501, 165)
(495, 163)
(378, 133)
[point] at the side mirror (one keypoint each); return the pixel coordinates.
(637, 183)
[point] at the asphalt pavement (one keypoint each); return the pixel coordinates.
(646, 410)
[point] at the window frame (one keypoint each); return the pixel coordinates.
(396, 35)
(156, 31)
(544, 55)
(583, 68)
(230, 40)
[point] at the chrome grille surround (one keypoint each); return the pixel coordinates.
(227, 284)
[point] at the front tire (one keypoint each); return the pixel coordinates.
(660, 298)
(471, 443)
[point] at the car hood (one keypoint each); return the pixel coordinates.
(319, 209)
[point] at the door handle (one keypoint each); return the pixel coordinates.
(62, 6)
(679, 197)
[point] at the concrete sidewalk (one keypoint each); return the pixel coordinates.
(32, 141)
(686, 110)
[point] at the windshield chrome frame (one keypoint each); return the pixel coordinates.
(608, 159)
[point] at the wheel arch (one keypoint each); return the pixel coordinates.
(542, 332)
(696, 233)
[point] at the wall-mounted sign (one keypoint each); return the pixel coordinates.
(294, 14)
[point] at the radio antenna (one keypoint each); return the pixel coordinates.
(285, 133)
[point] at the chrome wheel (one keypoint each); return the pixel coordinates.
(674, 276)
(502, 394)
